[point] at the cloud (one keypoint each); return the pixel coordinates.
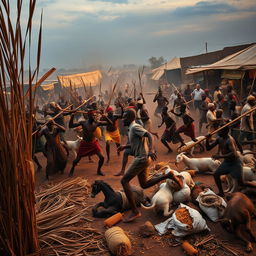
(191, 28)
(205, 8)
(112, 1)
(84, 32)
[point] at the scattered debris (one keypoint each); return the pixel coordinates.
(147, 229)
(63, 228)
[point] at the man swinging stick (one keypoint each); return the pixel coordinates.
(89, 145)
(232, 164)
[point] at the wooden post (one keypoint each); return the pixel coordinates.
(251, 89)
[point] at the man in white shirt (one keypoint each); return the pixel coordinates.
(142, 149)
(211, 117)
(247, 121)
(197, 96)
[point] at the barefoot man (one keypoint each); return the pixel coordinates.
(232, 164)
(112, 132)
(89, 145)
(141, 147)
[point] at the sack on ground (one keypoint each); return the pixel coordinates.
(118, 242)
(211, 204)
(184, 221)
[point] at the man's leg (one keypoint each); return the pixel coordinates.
(180, 139)
(166, 145)
(132, 172)
(100, 163)
(117, 146)
(145, 183)
(108, 150)
(200, 126)
(39, 166)
(124, 163)
(221, 170)
(75, 162)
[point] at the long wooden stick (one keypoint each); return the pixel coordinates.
(234, 129)
(184, 103)
(112, 94)
(251, 89)
(85, 101)
(41, 80)
(181, 94)
(140, 75)
(63, 110)
(186, 148)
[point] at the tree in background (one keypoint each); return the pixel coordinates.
(156, 62)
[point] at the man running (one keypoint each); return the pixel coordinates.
(161, 102)
(170, 129)
(142, 150)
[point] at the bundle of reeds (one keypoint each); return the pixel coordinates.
(63, 227)
(17, 200)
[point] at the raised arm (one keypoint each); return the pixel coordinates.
(71, 122)
(208, 145)
(154, 100)
(141, 94)
(59, 126)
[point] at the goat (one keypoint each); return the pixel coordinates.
(161, 200)
(204, 164)
(187, 177)
(249, 177)
(191, 151)
(247, 158)
(180, 195)
(73, 145)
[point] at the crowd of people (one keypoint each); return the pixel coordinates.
(183, 112)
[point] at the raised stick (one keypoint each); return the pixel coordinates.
(186, 148)
(63, 110)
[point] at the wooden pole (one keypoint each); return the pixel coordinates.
(63, 110)
(181, 95)
(40, 81)
(140, 75)
(112, 94)
(186, 148)
(251, 90)
(185, 103)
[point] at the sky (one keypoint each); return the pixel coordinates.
(81, 33)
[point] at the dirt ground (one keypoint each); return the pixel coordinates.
(144, 246)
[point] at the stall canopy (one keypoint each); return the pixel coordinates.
(80, 80)
(170, 65)
(47, 87)
(242, 60)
